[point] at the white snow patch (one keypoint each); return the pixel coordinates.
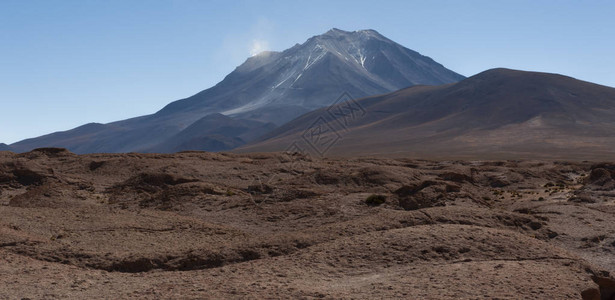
(362, 60)
(277, 85)
(296, 79)
(247, 107)
(308, 64)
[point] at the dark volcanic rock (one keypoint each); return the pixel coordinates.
(601, 177)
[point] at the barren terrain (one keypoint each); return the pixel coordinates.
(496, 114)
(219, 225)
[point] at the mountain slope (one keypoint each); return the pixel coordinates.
(214, 132)
(314, 74)
(271, 87)
(497, 113)
(5, 147)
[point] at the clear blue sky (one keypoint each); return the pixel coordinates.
(64, 63)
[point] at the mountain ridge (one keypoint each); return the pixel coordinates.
(498, 113)
(293, 63)
(272, 87)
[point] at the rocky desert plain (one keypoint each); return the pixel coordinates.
(198, 225)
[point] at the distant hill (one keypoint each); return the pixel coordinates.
(270, 88)
(499, 113)
(5, 147)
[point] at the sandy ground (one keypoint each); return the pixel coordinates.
(216, 225)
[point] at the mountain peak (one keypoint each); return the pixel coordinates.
(270, 87)
(506, 74)
(500, 72)
(336, 33)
